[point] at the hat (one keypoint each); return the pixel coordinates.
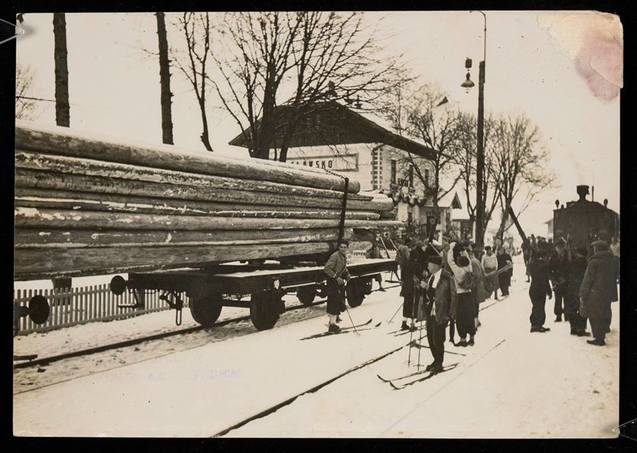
(463, 261)
(435, 259)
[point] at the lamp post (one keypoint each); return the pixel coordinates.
(467, 84)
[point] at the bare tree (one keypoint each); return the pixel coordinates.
(466, 162)
(197, 29)
(518, 163)
(62, 108)
(164, 80)
(439, 129)
(23, 103)
(307, 58)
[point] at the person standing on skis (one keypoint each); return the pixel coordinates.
(337, 277)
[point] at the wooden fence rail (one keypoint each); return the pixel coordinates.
(86, 304)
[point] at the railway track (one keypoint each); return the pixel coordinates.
(138, 340)
(288, 401)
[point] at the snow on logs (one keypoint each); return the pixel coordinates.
(86, 206)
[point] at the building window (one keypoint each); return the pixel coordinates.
(427, 177)
(393, 171)
(411, 175)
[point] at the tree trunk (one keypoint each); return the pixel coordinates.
(44, 141)
(56, 218)
(83, 201)
(164, 81)
(101, 185)
(503, 222)
(62, 108)
(71, 238)
(205, 136)
(35, 263)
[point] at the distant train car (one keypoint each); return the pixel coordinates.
(584, 221)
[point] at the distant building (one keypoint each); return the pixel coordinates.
(356, 144)
(549, 229)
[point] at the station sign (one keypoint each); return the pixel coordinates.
(340, 162)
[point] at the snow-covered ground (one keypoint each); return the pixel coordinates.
(510, 384)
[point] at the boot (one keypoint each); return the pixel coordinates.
(404, 326)
(583, 333)
(558, 318)
(471, 341)
(333, 328)
(596, 342)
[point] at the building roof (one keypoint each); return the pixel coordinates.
(332, 123)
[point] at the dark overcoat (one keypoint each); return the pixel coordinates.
(599, 286)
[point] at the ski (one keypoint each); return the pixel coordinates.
(343, 330)
(389, 381)
(429, 375)
(415, 344)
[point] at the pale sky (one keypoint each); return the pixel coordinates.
(531, 69)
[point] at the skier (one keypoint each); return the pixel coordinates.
(461, 268)
(439, 289)
(337, 277)
(559, 267)
(539, 289)
(598, 290)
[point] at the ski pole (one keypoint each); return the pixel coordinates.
(348, 313)
(396, 312)
(420, 339)
(411, 332)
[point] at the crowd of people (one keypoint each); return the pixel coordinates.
(583, 284)
(444, 284)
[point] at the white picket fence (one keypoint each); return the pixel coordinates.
(80, 305)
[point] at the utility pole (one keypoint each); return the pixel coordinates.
(480, 146)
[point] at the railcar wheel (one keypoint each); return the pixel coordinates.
(265, 308)
(205, 308)
(355, 293)
(306, 294)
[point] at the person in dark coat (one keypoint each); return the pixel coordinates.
(559, 269)
(571, 302)
(411, 291)
(337, 277)
(598, 290)
(439, 288)
(539, 289)
(504, 277)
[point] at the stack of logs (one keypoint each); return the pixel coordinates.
(86, 206)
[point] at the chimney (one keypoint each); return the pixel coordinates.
(582, 191)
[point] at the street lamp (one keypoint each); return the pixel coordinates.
(468, 84)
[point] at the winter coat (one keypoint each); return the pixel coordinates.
(559, 270)
(478, 289)
(599, 286)
(412, 272)
(575, 276)
(443, 298)
(336, 266)
(540, 286)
